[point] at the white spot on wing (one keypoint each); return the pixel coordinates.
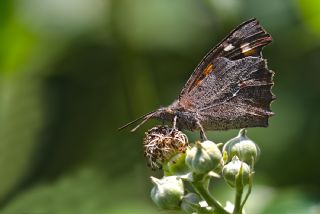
(245, 47)
(229, 47)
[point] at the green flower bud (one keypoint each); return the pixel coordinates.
(193, 203)
(203, 157)
(167, 192)
(243, 147)
(233, 170)
(190, 203)
(176, 165)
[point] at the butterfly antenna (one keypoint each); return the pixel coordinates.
(145, 118)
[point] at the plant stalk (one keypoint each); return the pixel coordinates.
(203, 192)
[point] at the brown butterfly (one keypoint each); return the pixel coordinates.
(229, 89)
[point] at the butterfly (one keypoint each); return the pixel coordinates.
(229, 89)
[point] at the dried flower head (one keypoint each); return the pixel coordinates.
(161, 143)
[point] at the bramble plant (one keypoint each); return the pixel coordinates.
(189, 169)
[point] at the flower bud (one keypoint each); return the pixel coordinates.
(190, 203)
(243, 147)
(203, 157)
(233, 170)
(167, 192)
(176, 165)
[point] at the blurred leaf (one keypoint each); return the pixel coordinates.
(82, 192)
(161, 25)
(21, 116)
(17, 46)
(310, 10)
(62, 19)
(226, 8)
(292, 202)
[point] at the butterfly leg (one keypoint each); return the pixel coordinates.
(175, 122)
(174, 125)
(203, 136)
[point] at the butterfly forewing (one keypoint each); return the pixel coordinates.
(244, 41)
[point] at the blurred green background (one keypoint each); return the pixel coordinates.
(73, 71)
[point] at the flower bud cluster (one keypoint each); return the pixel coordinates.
(241, 154)
(168, 148)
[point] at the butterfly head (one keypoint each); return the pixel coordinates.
(163, 113)
(167, 113)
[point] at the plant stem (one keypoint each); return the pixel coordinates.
(239, 191)
(237, 203)
(203, 192)
(249, 191)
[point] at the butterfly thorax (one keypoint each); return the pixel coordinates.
(185, 118)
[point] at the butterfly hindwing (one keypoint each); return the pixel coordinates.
(245, 79)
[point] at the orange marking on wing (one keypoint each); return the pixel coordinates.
(249, 52)
(197, 83)
(203, 75)
(207, 70)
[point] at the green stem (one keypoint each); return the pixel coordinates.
(248, 193)
(237, 203)
(203, 192)
(250, 184)
(239, 191)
